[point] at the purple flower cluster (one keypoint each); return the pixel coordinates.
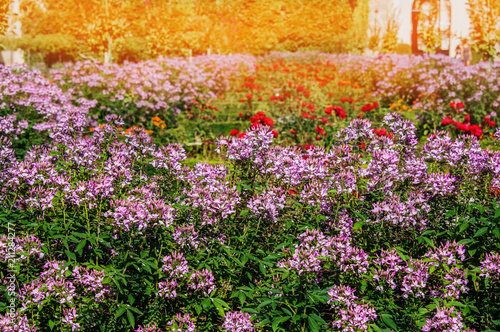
(180, 276)
(23, 248)
(182, 323)
(316, 249)
(237, 321)
(490, 266)
(421, 277)
(25, 93)
(148, 328)
(152, 86)
(445, 320)
(268, 204)
(15, 323)
(54, 285)
(351, 315)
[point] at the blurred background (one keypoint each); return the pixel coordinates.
(46, 33)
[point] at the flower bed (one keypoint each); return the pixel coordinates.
(112, 232)
(323, 208)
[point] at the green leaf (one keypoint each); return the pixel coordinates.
(70, 255)
(131, 318)
(131, 299)
(427, 240)
(244, 213)
(279, 320)
(389, 322)
(451, 213)
(80, 246)
(313, 325)
(455, 304)
(465, 241)
(219, 304)
(120, 311)
(464, 226)
(358, 225)
(242, 298)
(135, 310)
(51, 324)
(481, 232)
(206, 303)
(264, 303)
(318, 319)
(198, 309)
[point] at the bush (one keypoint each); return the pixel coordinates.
(402, 48)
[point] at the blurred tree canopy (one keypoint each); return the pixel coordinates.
(190, 27)
(4, 9)
(485, 28)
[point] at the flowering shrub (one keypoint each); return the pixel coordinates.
(116, 233)
(354, 221)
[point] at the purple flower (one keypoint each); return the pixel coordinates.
(237, 321)
(350, 314)
(182, 323)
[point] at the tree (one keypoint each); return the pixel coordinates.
(96, 24)
(485, 32)
(4, 9)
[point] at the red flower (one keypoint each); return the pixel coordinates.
(368, 107)
(268, 122)
(467, 118)
(446, 121)
(240, 115)
(293, 132)
(234, 132)
(249, 96)
(307, 146)
(242, 100)
(492, 123)
(300, 88)
(275, 133)
(242, 135)
(307, 94)
(453, 105)
(476, 130)
(375, 104)
(292, 192)
(329, 110)
(330, 94)
(339, 111)
(255, 125)
(494, 190)
(460, 105)
(318, 138)
(260, 98)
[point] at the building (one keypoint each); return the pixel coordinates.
(414, 16)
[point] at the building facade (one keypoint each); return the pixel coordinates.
(450, 17)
